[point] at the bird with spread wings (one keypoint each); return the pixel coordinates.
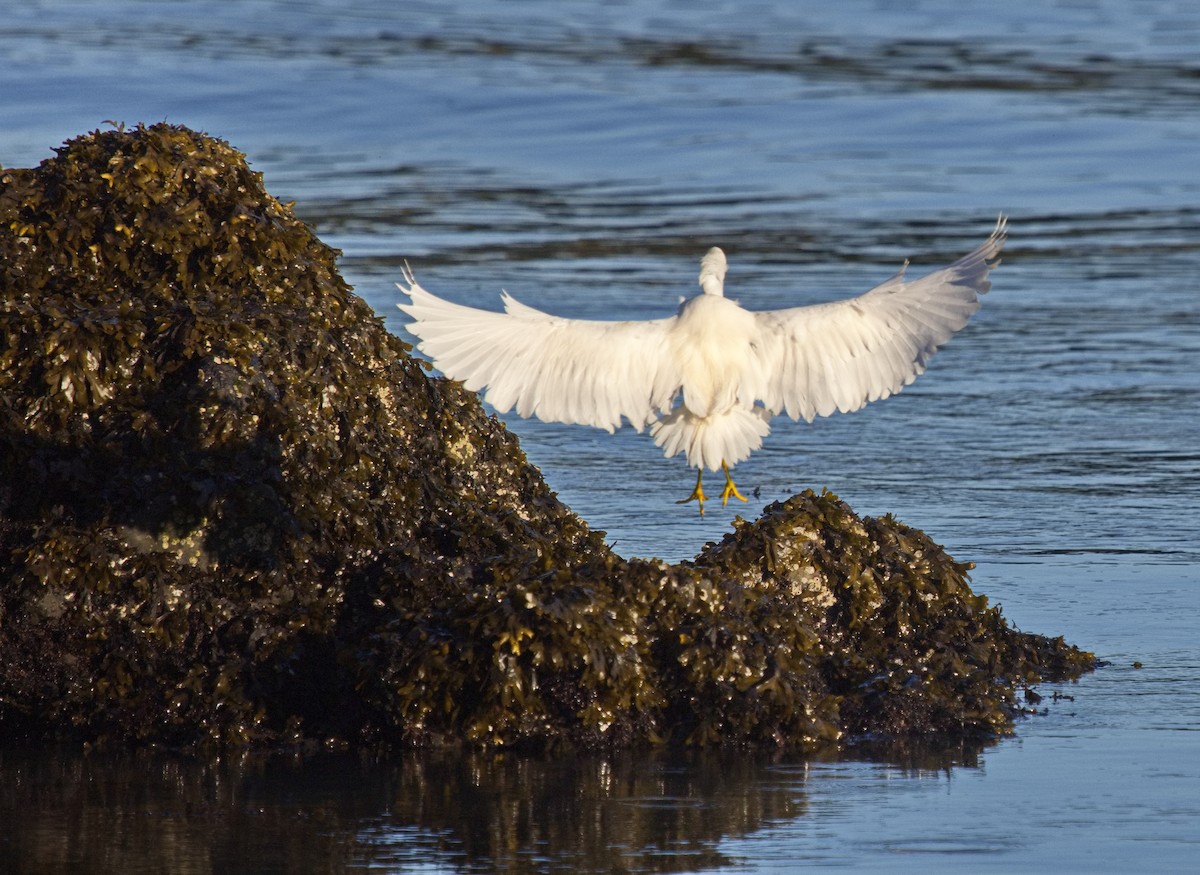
(708, 380)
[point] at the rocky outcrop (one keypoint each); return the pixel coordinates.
(235, 510)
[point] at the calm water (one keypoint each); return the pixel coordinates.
(583, 155)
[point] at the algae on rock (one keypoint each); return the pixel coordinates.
(232, 510)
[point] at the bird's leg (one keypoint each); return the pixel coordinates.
(730, 488)
(697, 493)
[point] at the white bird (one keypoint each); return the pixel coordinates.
(708, 380)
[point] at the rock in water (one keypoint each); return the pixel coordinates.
(235, 510)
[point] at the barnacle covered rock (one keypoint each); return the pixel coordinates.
(234, 509)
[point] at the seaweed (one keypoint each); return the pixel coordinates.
(234, 510)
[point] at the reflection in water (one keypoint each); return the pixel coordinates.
(331, 812)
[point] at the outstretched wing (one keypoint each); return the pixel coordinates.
(839, 356)
(561, 370)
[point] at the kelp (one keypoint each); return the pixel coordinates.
(235, 510)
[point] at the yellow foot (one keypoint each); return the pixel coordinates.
(697, 493)
(730, 488)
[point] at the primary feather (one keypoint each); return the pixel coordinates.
(707, 380)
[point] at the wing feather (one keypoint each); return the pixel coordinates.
(842, 355)
(561, 370)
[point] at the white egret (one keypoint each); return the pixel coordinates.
(708, 380)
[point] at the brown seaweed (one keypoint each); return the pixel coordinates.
(234, 510)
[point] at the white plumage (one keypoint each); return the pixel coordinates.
(707, 380)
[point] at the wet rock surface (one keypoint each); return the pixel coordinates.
(234, 510)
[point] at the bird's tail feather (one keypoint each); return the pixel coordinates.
(708, 441)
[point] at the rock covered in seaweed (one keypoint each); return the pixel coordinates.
(906, 646)
(204, 438)
(233, 508)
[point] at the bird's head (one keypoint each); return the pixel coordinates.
(712, 272)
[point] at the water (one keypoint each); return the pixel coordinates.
(583, 155)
